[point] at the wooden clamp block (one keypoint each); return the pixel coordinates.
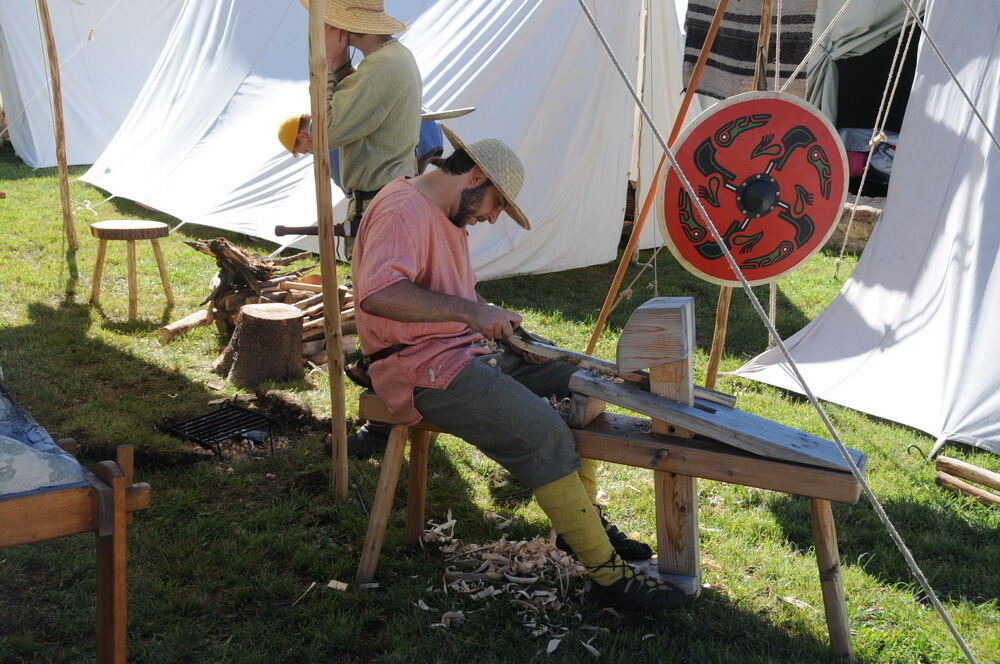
(583, 410)
(659, 336)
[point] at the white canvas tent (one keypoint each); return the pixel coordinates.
(106, 49)
(200, 143)
(912, 336)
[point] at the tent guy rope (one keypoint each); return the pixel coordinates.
(876, 504)
(906, 32)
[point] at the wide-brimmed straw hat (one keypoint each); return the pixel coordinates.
(501, 165)
(367, 17)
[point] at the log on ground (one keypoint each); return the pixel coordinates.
(266, 346)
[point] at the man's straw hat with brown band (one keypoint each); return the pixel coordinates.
(366, 17)
(501, 165)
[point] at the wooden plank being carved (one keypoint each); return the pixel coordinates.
(727, 425)
(640, 378)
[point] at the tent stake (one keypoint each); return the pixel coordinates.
(57, 120)
(633, 239)
(327, 249)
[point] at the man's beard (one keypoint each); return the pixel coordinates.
(468, 203)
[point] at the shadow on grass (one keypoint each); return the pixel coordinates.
(951, 551)
(92, 391)
(578, 294)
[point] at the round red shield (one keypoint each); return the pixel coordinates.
(771, 173)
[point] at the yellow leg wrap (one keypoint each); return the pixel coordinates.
(588, 475)
(566, 503)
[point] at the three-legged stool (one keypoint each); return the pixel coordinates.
(129, 230)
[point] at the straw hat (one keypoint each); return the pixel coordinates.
(501, 165)
(366, 17)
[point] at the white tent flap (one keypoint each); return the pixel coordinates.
(106, 49)
(200, 142)
(912, 335)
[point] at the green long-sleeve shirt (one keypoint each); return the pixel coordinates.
(373, 116)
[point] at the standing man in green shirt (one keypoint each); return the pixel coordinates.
(373, 112)
(373, 118)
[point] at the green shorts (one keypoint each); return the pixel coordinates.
(498, 407)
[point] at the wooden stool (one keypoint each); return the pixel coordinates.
(129, 230)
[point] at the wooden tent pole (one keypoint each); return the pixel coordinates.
(726, 292)
(640, 221)
(327, 249)
(57, 121)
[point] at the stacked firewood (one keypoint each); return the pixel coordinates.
(307, 295)
(245, 278)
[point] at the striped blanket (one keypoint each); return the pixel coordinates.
(730, 66)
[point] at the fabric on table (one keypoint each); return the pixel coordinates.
(29, 458)
(498, 409)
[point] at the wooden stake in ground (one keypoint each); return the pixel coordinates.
(57, 118)
(267, 345)
(726, 292)
(640, 222)
(327, 250)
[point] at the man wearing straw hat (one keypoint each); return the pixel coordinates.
(433, 347)
(373, 112)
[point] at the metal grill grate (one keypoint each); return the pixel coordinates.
(227, 422)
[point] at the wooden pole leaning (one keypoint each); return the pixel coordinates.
(726, 292)
(647, 204)
(327, 249)
(57, 121)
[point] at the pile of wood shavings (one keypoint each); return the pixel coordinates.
(543, 584)
(607, 376)
(561, 406)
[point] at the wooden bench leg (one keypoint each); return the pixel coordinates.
(112, 589)
(133, 287)
(824, 532)
(678, 555)
(95, 284)
(417, 494)
(162, 267)
(382, 506)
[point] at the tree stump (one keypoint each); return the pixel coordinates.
(266, 346)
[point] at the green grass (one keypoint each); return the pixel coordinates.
(218, 561)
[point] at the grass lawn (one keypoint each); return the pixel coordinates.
(218, 565)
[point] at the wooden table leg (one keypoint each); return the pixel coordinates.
(824, 532)
(417, 495)
(382, 506)
(95, 284)
(678, 556)
(112, 589)
(162, 267)
(133, 288)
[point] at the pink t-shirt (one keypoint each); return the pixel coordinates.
(406, 236)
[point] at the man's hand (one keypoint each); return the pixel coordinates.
(337, 52)
(493, 322)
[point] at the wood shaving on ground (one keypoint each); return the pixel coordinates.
(797, 603)
(543, 585)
